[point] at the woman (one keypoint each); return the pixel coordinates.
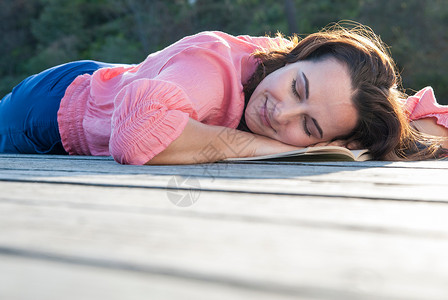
(182, 104)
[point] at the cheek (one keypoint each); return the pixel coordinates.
(251, 116)
(256, 102)
(294, 137)
(347, 124)
(249, 113)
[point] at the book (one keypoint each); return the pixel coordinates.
(323, 153)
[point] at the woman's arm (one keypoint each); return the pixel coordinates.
(201, 143)
(430, 126)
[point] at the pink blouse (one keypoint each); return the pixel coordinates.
(424, 105)
(133, 112)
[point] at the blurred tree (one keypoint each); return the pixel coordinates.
(18, 42)
(37, 34)
(291, 16)
(314, 15)
(416, 31)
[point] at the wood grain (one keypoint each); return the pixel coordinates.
(371, 230)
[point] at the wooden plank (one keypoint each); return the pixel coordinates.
(25, 278)
(428, 164)
(109, 166)
(389, 217)
(318, 173)
(427, 184)
(342, 172)
(372, 183)
(318, 237)
(280, 258)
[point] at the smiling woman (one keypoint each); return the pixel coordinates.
(213, 96)
(303, 103)
(345, 86)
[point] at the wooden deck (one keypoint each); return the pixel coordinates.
(89, 228)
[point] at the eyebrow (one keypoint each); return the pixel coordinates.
(318, 127)
(307, 93)
(307, 86)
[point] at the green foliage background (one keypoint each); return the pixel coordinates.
(38, 34)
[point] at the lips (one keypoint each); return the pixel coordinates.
(264, 115)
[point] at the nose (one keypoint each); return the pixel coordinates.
(286, 112)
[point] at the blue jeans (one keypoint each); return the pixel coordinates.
(28, 115)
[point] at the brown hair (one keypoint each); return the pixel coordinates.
(382, 125)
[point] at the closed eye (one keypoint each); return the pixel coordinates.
(293, 87)
(305, 127)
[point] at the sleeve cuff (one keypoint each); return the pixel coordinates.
(148, 115)
(424, 105)
(150, 142)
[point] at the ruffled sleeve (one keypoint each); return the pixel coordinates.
(265, 42)
(424, 105)
(148, 115)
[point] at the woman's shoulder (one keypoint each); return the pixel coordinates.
(230, 40)
(423, 103)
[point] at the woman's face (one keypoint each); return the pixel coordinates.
(303, 103)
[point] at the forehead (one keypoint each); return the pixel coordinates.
(330, 95)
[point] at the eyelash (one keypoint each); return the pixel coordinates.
(293, 87)
(305, 128)
(294, 91)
